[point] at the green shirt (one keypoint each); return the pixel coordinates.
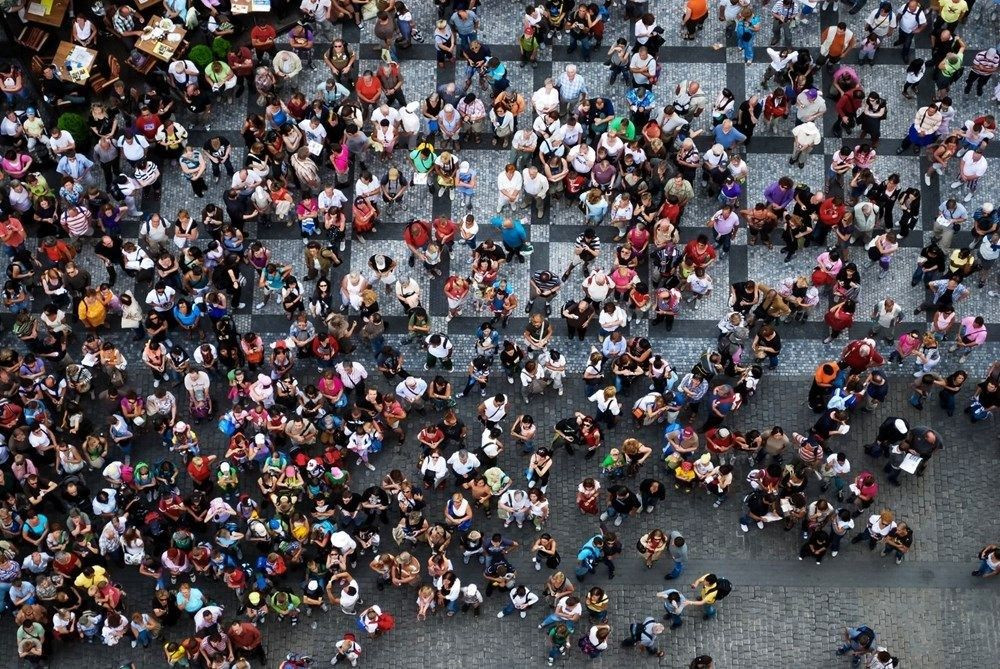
(527, 44)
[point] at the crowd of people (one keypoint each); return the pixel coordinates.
(103, 469)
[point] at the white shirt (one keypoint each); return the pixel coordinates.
(442, 350)
(973, 168)
(164, 302)
(462, 468)
(614, 320)
(807, 134)
(544, 100)
(335, 199)
(536, 187)
(910, 21)
(135, 149)
(648, 64)
(495, 412)
(606, 403)
(357, 374)
(408, 394)
(513, 182)
(61, 143)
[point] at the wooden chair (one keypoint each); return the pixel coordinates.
(99, 82)
(39, 63)
(33, 38)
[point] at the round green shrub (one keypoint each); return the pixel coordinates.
(201, 56)
(221, 48)
(76, 125)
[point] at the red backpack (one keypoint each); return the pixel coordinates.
(386, 622)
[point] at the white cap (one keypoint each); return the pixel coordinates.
(180, 426)
(987, 207)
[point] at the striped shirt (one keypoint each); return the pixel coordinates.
(78, 223)
(985, 63)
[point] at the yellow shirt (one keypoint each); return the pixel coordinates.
(951, 12)
(83, 582)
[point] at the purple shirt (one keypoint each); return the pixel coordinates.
(776, 195)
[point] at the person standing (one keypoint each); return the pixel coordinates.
(644, 636)
(711, 590)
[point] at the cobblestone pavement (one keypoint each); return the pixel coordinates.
(783, 613)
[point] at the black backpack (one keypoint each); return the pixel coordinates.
(722, 589)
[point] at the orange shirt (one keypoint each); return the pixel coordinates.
(698, 8)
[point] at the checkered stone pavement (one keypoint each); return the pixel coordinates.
(783, 613)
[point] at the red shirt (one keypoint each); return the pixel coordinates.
(444, 229)
(368, 90)
(12, 232)
(263, 36)
(237, 59)
(699, 257)
(199, 474)
(830, 212)
(148, 124)
(417, 234)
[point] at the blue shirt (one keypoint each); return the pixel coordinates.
(514, 236)
(727, 139)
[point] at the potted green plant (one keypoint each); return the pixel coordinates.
(201, 56)
(75, 125)
(221, 48)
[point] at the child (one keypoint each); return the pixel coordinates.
(914, 73)
(528, 45)
(866, 54)
(432, 258)
(684, 476)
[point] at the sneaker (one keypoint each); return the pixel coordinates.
(561, 390)
(962, 359)
(967, 197)
(156, 384)
(819, 562)
(744, 527)
(465, 559)
(760, 524)
(648, 509)
(604, 516)
(524, 614)
(953, 348)
(441, 191)
(538, 565)
(313, 625)
(482, 559)
(510, 380)
(260, 305)
(717, 503)
(243, 305)
(956, 184)
(805, 535)
(800, 558)
(899, 559)
(927, 179)
(618, 521)
(500, 614)
(834, 553)
(370, 466)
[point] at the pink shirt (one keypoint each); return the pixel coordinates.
(972, 333)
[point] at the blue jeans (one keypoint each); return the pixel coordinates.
(984, 570)
(583, 568)
(710, 610)
(675, 618)
(453, 606)
(772, 361)
(586, 45)
(676, 571)
(551, 619)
